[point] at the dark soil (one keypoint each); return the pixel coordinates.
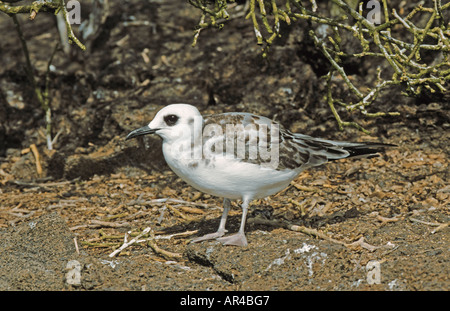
(95, 188)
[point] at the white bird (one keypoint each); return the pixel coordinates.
(240, 156)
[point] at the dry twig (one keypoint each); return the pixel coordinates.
(126, 244)
(106, 224)
(37, 159)
(317, 234)
(140, 238)
(439, 226)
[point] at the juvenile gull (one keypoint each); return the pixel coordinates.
(240, 156)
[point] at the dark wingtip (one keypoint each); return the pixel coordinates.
(368, 150)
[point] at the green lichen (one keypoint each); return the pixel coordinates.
(406, 69)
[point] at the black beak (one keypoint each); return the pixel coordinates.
(140, 131)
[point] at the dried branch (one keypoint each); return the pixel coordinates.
(318, 234)
(41, 95)
(40, 6)
(144, 237)
(131, 242)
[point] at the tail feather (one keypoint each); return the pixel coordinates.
(320, 150)
(323, 150)
(365, 149)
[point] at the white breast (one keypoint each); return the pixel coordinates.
(229, 178)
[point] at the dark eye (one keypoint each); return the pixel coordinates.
(171, 119)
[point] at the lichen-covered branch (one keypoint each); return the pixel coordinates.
(53, 6)
(37, 6)
(385, 40)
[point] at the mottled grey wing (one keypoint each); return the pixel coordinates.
(295, 151)
(246, 137)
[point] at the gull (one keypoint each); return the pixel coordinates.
(240, 156)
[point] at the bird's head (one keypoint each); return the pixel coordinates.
(173, 122)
